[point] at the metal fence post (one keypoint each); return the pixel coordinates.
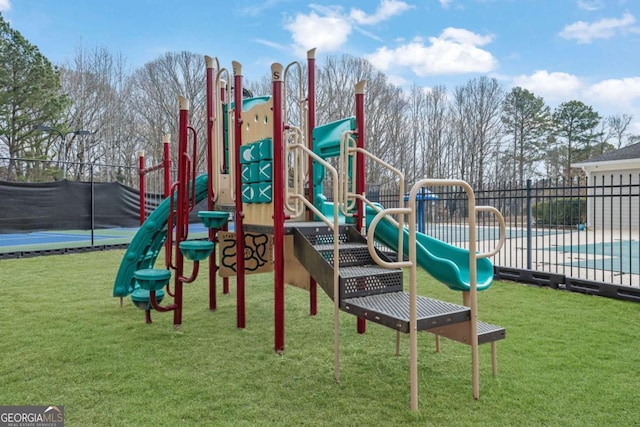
(93, 217)
(529, 224)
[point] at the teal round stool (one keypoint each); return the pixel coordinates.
(196, 250)
(152, 279)
(140, 298)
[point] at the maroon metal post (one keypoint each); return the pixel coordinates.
(278, 206)
(237, 136)
(141, 186)
(360, 175)
(311, 124)
(166, 161)
(182, 217)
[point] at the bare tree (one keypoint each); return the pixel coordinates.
(437, 152)
(385, 109)
(477, 109)
(429, 125)
(97, 81)
(416, 118)
(155, 88)
(618, 127)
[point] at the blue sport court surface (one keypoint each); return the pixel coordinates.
(40, 241)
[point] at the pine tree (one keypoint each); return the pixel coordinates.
(526, 120)
(575, 124)
(30, 95)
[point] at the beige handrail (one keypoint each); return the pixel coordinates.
(400, 175)
(370, 238)
(473, 278)
(299, 168)
(503, 230)
(347, 186)
(335, 226)
(218, 147)
(301, 101)
(412, 265)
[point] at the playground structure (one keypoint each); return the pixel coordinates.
(269, 174)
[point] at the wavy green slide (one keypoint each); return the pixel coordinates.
(148, 241)
(447, 263)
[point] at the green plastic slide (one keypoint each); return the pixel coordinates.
(148, 242)
(447, 263)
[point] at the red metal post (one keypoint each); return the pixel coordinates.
(278, 206)
(141, 185)
(166, 167)
(240, 274)
(311, 124)
(360, 175)
(166, 163)
(182, 217)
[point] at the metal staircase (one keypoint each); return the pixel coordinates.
(370, 291)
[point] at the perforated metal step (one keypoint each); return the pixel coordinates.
(489, 333)
(350, 253)
(392, 310)
(363, 280)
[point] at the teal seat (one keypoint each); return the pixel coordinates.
(140, 298)
(213, 219)
(196, 250)
(152, 279)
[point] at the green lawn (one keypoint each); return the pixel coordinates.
(568, 360)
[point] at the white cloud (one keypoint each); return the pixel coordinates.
(618, 93)
(584, 32)
(385, 10)
(462, 36)
(617, 96)
(612, 96)
(455, 51)
(328, 27)
(5, 5)
(555, 86)
(257, 9)
(397, 80)
(327, 33)
(590, 5)
(272, 44)
(445, 3)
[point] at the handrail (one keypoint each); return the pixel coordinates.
(470, 296)
(301, 98)
(370, 238)
(400, 175)
(219, 119)
(194, 159)
(472, 299)
(503, 230)
(300, 167)
(346, 138)
(335, 226)
(348, 198)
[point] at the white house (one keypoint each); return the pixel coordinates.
(614, 184)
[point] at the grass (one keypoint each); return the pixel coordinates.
(568, 360)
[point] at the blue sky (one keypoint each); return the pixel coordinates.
(587, 50)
